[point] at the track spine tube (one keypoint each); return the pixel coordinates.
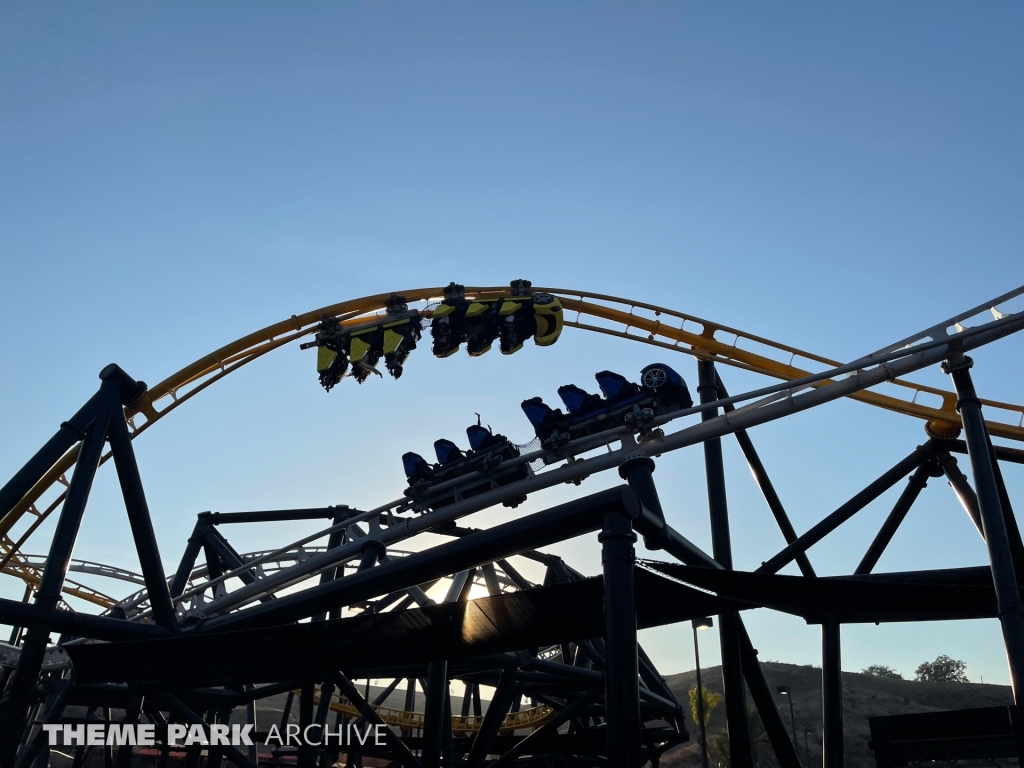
(540, 529)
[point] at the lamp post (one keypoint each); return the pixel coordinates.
(705, 623)
(784, 691)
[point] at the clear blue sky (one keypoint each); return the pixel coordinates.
(174, 176)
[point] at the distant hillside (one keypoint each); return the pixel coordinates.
(863, 696)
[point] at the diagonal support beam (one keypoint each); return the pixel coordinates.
(173, 703)
(494, 717)
(846, 511)
(194, 546)
(741, 752)
(141, 522)
(764, 482)
(402, 752)
(915, 485)
(510, 757)
(961, 487)
(761, 693)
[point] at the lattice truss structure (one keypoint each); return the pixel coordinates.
(549, 673)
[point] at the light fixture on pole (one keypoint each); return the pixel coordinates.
(705, 623)
(784, 691)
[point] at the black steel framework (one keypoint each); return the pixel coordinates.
(211, 640)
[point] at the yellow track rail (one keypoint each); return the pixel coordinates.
(532, 718)
(651, 324)
(633, 320)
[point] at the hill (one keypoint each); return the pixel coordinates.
(863, 696)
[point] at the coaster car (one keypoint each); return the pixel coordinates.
(512, 318)
(487, 453)
(360, 346)
(661, 390)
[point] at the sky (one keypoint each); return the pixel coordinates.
(835, 178)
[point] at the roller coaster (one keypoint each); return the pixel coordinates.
(568, 682)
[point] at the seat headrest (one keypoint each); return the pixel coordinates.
(611, 383)
(413, 463)
(574, 397)
(447, 451)
(536, 410)
(477, 435)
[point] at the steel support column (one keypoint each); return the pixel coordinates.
(335, 540)
(16, 702)
(1012, 530)
(250, 719)
(622, 687)
(1004, 577)
(831, 696)
(729, 628)
(701, 717)
(434, 713)
(307, 753)
(131, 717)
(658, 534)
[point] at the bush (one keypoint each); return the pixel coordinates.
(880, 670)
(942, 670)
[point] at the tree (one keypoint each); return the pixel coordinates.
(942, 670)
(711, 700)
(763, 753)
(880, 670)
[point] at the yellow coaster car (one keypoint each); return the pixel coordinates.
(361, 345)
(512, 319)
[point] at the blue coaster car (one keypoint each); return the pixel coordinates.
(661, 390)
(487, 454)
